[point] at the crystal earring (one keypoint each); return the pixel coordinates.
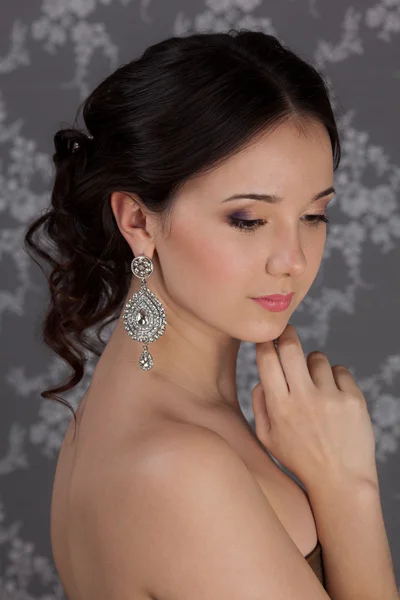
(144, 316)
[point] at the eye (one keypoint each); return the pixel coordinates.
(316, 219)
(252, 225)
(246, 224)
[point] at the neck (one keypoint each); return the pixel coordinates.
(198, 363)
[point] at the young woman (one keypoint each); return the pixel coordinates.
(202, 186)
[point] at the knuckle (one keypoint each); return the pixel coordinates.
(354, 398)
(354, 403)
(283, 412)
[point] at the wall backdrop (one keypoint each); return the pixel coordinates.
(52, 53)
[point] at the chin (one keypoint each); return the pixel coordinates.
(267, 331)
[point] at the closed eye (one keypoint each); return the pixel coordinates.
(253, 224)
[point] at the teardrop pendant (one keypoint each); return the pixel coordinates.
(146, 360)
(144, 316)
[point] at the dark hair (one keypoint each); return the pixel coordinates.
(180, 109)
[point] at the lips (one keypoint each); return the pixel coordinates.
(275, 302)
(276, 297)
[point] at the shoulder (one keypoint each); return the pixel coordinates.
(190, 520)
(190, 447)
(173, 455)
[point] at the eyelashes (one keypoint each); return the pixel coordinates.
(252, 225)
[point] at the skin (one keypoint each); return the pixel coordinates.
(206, 271)
(205, 274)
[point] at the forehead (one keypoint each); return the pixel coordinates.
(285, 160)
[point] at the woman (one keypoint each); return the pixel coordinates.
(202, 185)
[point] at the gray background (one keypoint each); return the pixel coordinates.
(52, 53)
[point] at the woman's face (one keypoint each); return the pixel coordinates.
(212, 269)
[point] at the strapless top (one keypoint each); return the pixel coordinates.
(314, 559)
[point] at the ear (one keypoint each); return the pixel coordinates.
(134, 222)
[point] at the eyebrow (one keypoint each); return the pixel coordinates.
(272, 199)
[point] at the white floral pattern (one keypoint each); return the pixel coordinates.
(349, 313)
(385, 17)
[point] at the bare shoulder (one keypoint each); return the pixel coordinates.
(183, 446)
(190, 520)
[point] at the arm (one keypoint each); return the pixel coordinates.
(356, 553)
(204, 529)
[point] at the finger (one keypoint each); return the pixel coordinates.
(345, 381)
(261, 418)
(320, 370)
(270, 371)
(293, 360)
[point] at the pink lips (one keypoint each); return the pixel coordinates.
(275, 302)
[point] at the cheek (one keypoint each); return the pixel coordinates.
(211, 268)
(313, 249)
(228, 263)
(214, 262)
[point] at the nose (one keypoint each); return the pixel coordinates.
(286, 256)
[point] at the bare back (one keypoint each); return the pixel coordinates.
(111, 439)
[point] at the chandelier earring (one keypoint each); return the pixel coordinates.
(144, 316)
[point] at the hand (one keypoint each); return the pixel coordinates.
(317, 423)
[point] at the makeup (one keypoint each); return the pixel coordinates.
(275, 302)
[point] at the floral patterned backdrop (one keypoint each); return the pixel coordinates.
(52, 53)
